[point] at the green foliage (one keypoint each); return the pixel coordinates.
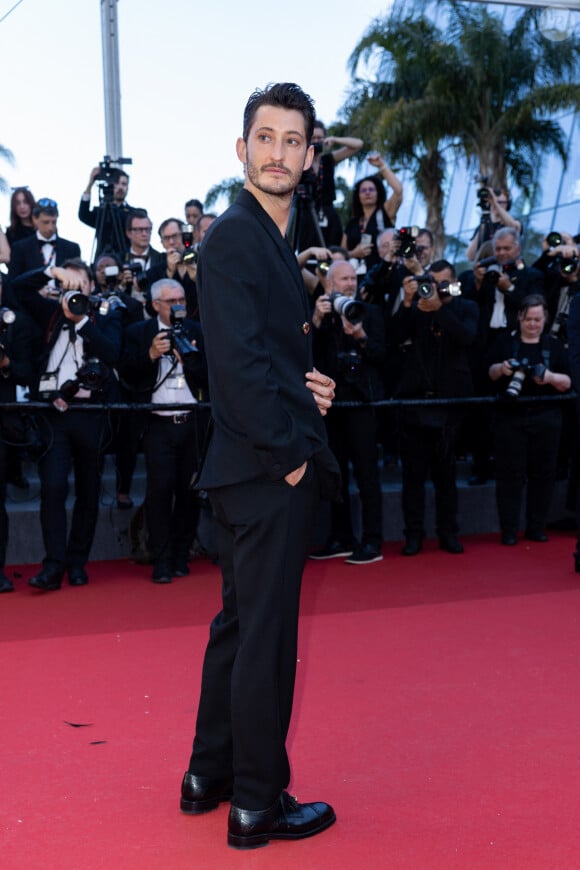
(5, 154)
(468, 85)
(227, 189)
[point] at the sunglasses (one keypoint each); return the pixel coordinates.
(46, 203)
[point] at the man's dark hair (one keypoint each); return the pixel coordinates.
(532, 301)
(318, 123)
(78, 265)
(139, 213)
(283, 95)
(116, 174)
(441, 265)
(166, 222)
(425, 232)
(194, 203)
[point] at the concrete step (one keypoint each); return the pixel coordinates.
(477, 512)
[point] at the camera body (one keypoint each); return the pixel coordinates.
(427, 287)
(521, 369)
(107, 176)
(176, 333)
(407, 238)
(493, 270)
(349, 366)
(189, 254)
(345, 306)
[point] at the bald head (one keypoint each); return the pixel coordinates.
(341, 278)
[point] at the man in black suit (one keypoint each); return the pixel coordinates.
(264, 468)
(173, 264)
(158, 372)
(438, 329)
(78, 351)
(45, 248)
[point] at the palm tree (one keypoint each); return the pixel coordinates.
(228, 188)
(477, 89)
(5, 154)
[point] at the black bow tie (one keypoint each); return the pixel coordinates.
(43, 242)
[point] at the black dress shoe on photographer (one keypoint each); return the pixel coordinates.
(200, 793)
(284, 820)
(46, 581)
(539, 537)
(508, 539)
(161, 573)
(413, 545)
(5, 584)
(450, 544)
(77, 577)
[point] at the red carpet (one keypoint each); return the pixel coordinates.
(436, 709)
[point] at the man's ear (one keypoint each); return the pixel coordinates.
(309, 157)
(242, 150)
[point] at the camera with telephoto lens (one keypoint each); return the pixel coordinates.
(189, 254)
(176, 334)
(493, 270)
(427, 287)
(347, 307)
(406, 237)
(565, 265)
(7, 316)
(521, 369)
(135, 267)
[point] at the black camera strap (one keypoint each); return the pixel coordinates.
(544, 348)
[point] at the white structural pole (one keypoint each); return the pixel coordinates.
(111, 79)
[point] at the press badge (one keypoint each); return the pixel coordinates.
(175, 382)
(47, 384)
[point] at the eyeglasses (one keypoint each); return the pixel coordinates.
(140, 229)
(46, 203)
(179, 301)
(367, 189)
(171, 237)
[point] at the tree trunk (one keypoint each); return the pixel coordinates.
(429, 181)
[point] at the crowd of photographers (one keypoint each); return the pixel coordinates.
(389, 321)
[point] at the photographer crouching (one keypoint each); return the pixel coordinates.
(349, 345)
(74, 364)
(164, 363)
(527, 363)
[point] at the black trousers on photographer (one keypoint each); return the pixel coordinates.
(77, 440)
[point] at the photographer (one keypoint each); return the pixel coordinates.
(15, 368)
(527, 363)
(45, 247)
(75, 363)
(109, 218)
(495, 204)
(164, 363)
(179, 262)
(438, 326)
(349, 345)
(560, 265)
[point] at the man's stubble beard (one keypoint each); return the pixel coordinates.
(282, 186)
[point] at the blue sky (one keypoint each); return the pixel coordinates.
(186, 72)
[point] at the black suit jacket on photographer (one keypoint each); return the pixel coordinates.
(436, 362)
(27, 255)
(102, 335)
(140, 373)
(331, 344)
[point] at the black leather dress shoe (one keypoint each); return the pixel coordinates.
(540, 537)
(180, 568)
(284, 820)
(413, 545)
(77, 577)
(161, 573)
(46, 581)
(5, 584)
(509, 540)
(450, 544)
(200, 793)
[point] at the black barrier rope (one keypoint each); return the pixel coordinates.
(499, 400)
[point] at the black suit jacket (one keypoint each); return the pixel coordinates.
(255, 317)
(27, 255)
(140, 373)
(102, 335)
